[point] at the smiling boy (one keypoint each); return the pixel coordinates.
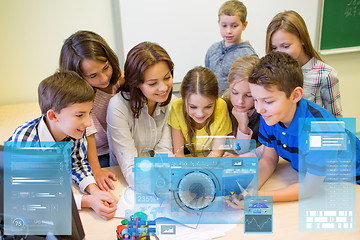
(276, 86)
(221, 55)
(66, 101)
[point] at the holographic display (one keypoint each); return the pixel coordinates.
(193, 190)
(37, 188)
(327, 164)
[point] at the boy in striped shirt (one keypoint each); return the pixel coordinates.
(66, 101)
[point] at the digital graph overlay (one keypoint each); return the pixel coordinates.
(193, 189)
(258, 214)
(256, 223)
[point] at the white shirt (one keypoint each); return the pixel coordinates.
(131, 137)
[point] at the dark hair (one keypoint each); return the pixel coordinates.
(202, 81)
(277, 69)
(291, 22)
(62, 89)
(139, 59)
(87, 45)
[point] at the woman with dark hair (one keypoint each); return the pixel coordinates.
(137, 116)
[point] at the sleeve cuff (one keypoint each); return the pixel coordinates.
(130, 178)
(91, 130)
(241, 135)
(242, 142)
(85, 182)
(78, 198)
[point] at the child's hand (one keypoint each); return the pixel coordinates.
(102, 179)
(242, 119)
(102, 203)
(215, 153)
(236, 201)
(227, 154)
(247, 155)
(109, 194)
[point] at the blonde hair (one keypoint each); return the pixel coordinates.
(239, 71)
(291, 22)
(233, 8)
(202, 81)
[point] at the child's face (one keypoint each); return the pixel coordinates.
(96, 73)
(273, 105)
(200, 108)
(72, 121)
(283, 41)
(231, 29)
(157, 84)
(240, 96)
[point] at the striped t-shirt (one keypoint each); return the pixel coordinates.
(98, 120)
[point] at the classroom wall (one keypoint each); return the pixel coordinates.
(187, 28)
(347, 65)
(33, 32)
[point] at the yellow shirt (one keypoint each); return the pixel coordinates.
(221, 126)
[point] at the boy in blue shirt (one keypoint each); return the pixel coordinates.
(276, 86)
(65, 101)
(221, 55)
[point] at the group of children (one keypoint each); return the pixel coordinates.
(111, 116)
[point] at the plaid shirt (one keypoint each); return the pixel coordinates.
(36, 130)
(321, 86)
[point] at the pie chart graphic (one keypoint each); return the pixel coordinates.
(196, 191)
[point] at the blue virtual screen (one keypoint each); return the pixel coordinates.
(193, 190)
(327, 163)
(37, 188)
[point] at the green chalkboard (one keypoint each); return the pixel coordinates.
(340, 26)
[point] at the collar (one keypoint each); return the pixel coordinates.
(44, 132)
(158, 110)
(232, 46)
(309, 65)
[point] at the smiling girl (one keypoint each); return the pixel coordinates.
(87, 54)
(200, 112)
(287, 32)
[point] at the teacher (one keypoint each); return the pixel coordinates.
(137, 115)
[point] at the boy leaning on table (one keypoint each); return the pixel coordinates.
(276, 86)
(65, 101)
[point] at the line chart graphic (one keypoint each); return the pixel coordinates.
(255, 223)
(258, 214)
